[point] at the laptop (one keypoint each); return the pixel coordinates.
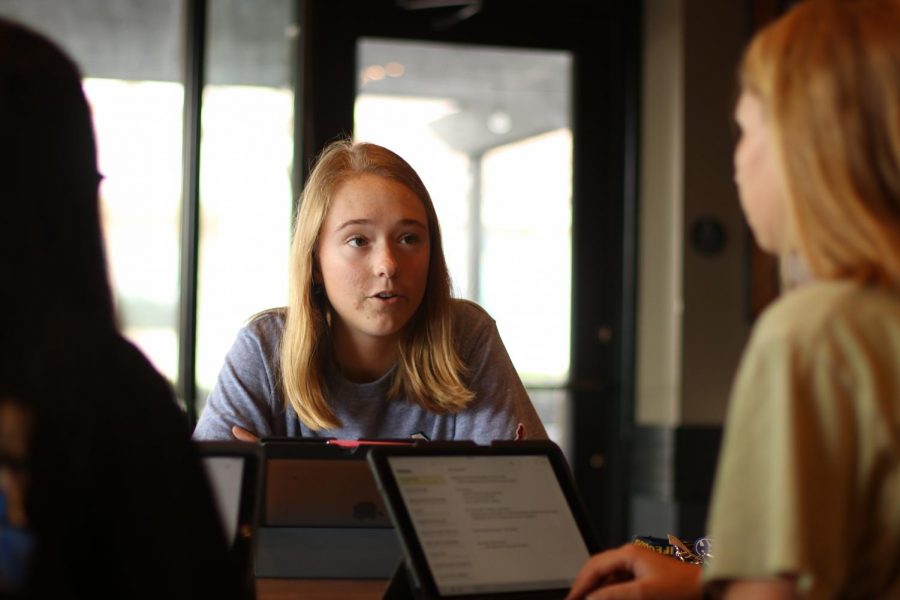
(322, 515)
(484, 522)
(233, 469)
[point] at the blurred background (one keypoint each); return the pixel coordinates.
(578, 153)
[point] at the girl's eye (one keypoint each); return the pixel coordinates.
(357, 242)
(409, 239)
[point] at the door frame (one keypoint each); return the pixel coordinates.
(604, 39)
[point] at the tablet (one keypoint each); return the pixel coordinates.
(322, 516)
(319, 484)
(233, 470)
(485, 521)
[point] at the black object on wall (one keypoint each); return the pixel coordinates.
(672, 474)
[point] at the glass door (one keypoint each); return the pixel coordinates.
(489, 131)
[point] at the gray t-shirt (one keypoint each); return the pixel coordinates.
(248, 392)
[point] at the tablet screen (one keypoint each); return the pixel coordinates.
(226, 478)
(491, 523)
(344, 494)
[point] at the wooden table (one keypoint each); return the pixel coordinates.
(320, 589)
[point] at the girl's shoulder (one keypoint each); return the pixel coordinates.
(474, 330)
(467, 314)
(271, 318)
(824, 311)
(265, 328)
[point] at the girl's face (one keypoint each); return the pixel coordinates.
(373, 256)
(758, 179)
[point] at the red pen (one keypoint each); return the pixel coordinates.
(350, 444)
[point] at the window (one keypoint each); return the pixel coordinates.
(131, 53)
(246, 158)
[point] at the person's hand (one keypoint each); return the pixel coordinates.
(631, 572)
(243, 435)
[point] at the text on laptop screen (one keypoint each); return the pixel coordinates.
(226, 476)
(491, 523)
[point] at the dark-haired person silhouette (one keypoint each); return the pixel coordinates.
(101, 491)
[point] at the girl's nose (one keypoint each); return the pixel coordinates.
(385, 262)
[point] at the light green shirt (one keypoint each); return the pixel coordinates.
(808, 482)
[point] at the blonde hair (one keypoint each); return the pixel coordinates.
(828, 75)
(429, 371)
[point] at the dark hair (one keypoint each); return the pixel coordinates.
(52, 263)
(48, 179)
(115, 497)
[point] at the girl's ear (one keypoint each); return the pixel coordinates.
(316, 272)
(318, 284)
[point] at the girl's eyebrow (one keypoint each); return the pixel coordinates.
(402, 222)
(413, 223)
(352, 222)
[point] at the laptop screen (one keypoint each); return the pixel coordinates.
(226, 476)
(491, 523)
